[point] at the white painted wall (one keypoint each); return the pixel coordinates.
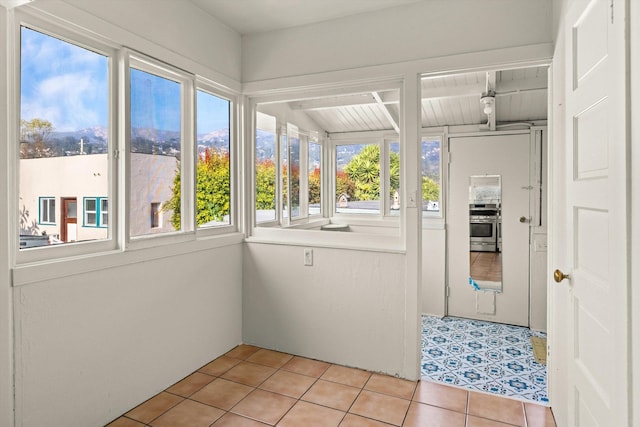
(347, 308)
(433, 271)
(166, 28)
(92, 346)
(427, 29)
(6, 321)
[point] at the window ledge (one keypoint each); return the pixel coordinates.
(329, 239)
(54, 269)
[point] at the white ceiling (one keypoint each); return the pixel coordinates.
(255, 16)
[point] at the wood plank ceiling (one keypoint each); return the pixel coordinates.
(447, 100)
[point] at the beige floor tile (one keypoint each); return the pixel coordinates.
(264, 406)
(242, 351)
(188, 414)
(288, 383)
(125, 422)
(190, 384)
(219, 366)
(347, 376)
(421, 415)
(249, 373)
(222, 393)
(154, 407)
(273, 359)
(352, 420)
(380, 407)
(233, 420)
(333, 395)
(441, 395)
(304, 366)
(308, 414)
(386, 384)
(539, 416)
(496, 408)
(484, 422)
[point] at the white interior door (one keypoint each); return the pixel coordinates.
(507, 156)
(592, 235)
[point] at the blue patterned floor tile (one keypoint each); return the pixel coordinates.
(483, 356)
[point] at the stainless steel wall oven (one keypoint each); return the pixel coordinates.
(483, 227)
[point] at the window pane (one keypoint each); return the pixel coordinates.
(358, 178)
(294, 178)
(265, 152)
(315, 182)
(155, 153)
(64, 102)
(213, 177)
(104, 212)
(430, 175)
(90, 214)
(394, 178)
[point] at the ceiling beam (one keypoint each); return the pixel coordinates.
(385, 110)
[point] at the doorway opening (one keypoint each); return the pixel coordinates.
(494, 293)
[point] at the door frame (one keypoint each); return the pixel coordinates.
(64, 220)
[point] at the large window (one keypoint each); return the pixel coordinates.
(174, 166)
(64, 141)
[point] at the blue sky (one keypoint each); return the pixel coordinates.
(68, 85)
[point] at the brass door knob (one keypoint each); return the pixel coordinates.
(559, 276)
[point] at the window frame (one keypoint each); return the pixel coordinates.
(131, 59)
(211, 88)
(98, 212)
(48, 199)
(383, 139)
(56, 28)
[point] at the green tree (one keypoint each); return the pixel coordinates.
(364, 170)
(213, 184)
(430, 190)
(265, 185)
(34, 137)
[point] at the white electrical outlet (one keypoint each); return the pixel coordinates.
(308, 257)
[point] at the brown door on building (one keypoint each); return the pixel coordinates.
(68, 227)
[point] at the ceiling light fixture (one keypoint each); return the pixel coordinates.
(489, 100)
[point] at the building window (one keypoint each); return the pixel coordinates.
(90, 212)
(156, 215)
(47, 210)
(96, 212)
(156, 148)
(104, 212)
(64, 132)
(431, 176)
